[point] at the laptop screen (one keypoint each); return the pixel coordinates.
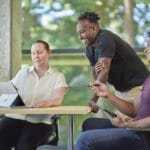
(8, 94)
(7, 88)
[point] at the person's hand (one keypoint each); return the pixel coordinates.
(117, 121)
(100, 89)
(94, 107)
(122, 122)
(99, 66)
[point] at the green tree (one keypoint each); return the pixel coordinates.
(55, 20)
(128, 21)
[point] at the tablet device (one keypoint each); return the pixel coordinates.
(9, 96)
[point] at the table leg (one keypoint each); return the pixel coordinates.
(70, 132)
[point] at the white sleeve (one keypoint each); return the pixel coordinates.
(18, 78)
(61, 81)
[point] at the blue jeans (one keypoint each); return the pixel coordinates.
(110, 139)
(96, 123)
(100, 134)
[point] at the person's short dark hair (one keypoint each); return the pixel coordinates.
(90, 15)
(44, 43)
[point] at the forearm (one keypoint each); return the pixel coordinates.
(94, 98)
(102, 76)
(94, 73)
(48, 103)
(54, 102)
(122, 105)
(58, 97)
(142, 123)
(102, 68)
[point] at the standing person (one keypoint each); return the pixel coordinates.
(123, 68)
(38, 86)
(137, 136)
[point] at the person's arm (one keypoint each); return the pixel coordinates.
(124, 106)
(102, 68)
(142, 123)
(56, 100)
(93, 72)
(100, 73)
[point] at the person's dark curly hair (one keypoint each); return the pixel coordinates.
(91, 16)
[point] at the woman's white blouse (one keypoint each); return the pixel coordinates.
(33, 89)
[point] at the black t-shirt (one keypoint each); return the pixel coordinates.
(126, 70)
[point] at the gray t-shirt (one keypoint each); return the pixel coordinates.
(126, 70)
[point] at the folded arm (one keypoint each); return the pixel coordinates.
(100, 72)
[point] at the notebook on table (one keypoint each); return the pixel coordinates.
(9, 96)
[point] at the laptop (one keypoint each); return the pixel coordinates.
(9, 96)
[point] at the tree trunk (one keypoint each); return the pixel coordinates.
(128, 22)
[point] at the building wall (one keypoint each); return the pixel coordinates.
(10, 38)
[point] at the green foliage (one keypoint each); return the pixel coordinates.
(60, 17)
